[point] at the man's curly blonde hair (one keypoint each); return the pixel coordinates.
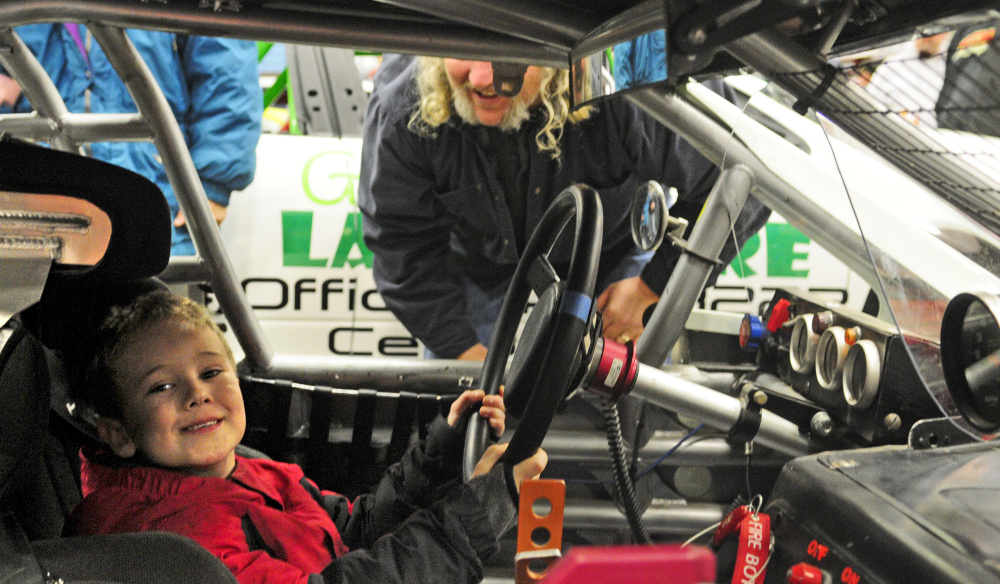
(436, 103)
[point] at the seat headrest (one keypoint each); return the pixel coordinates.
(139, 245)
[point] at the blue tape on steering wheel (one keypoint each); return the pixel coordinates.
(576, 304)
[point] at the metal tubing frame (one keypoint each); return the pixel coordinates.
(29, 126)
(35, 84)
(707, 239)
(590, 447)
(442, 375)
(690, 117)
(715, 409)
(532, 21)
(190, 193)
(78, 128)
(340, 28)
(680, 520)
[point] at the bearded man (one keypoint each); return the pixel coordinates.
(455, 177)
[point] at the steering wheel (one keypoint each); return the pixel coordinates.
(552, 344)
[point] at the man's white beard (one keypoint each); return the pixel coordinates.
(513, 118)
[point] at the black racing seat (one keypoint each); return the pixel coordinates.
(106, 232)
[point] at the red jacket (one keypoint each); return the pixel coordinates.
(269, 524)
(261, 522)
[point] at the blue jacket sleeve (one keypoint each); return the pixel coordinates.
(226, 107)
(43, 40)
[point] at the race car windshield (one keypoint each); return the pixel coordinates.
(929, 238)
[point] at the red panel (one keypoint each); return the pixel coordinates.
(649, 564)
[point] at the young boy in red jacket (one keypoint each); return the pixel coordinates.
(163, 380)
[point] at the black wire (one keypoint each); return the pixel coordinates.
(749, 451)
(624, 487)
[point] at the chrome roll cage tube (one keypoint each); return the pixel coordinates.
(615, 371)
(38, 87)
(155, 121)
(693, 116)
(693, 268)
(187, 187)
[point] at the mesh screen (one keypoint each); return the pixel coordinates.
(930, 106)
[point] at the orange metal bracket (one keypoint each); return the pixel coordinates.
(539, 528)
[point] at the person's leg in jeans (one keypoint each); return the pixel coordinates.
(483, 306)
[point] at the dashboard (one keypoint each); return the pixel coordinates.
(851, 380)
(842, 375)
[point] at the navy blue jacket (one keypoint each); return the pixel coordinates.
(435, 205)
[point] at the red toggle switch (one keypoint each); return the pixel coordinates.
(804, 573)
(779, 315)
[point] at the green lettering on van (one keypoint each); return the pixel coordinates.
(781, 240)
(353, 236)
(296, 239)
(349, 187)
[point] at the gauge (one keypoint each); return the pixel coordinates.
(802, 346)
(862, 371)
(831, 351)
(970, 356)
(649, 216)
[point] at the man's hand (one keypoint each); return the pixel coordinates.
(9, 90)
(476, 352)
(218, 211)
(622, 304)
(529, 468)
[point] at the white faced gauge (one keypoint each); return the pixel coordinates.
(802, 347)
(831, 352)
(862, 371)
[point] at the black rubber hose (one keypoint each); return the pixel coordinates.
(624, 488)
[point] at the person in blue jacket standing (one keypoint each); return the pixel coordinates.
(211, 84)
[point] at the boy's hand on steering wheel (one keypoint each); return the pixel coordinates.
(529, 468)
(491, 407)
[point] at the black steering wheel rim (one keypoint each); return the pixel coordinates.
(576, 306)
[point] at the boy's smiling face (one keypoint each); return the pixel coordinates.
(180, 400)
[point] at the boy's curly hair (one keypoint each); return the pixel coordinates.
(117, 332)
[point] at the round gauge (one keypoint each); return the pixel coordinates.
(649, 216)
(862, 370)
(970, 356)
(831, 351)
(802, 346)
